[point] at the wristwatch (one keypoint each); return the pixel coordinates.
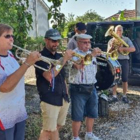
(58, 67)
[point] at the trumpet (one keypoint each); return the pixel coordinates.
(42, 58)
(87, 59)
(119, 41)
(113, 55)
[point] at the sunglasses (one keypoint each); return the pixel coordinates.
(9, 36)
(53, 41)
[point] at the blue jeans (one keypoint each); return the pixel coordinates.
(15, 133)
(83, 105)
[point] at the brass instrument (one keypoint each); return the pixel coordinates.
(87, 59)
(113, 55)
(42, 58)
(119, 41)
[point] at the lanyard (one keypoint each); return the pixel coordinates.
(53, 79)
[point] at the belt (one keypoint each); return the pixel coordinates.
(122, 59)
(76, 85)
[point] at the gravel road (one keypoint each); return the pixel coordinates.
(123, 122)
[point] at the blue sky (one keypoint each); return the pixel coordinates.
(104, 8)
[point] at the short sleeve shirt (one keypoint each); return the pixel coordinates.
(72, 44)
(54, 91)
(12, 104)
(128, 41)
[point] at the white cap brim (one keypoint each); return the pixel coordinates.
(83, 36)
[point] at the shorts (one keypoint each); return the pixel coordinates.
(53, 115)
(83, 105)
(125, 69)
(15, 133)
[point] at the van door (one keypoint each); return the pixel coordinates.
(136, 54)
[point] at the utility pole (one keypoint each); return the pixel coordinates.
(137, 8)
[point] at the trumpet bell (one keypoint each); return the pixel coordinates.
(88, 59)
(109, 31)
(114, 55)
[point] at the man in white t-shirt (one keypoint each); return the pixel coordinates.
(12, 91)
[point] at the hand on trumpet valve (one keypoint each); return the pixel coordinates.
(96, 52)
(33, 58)
(68, 55)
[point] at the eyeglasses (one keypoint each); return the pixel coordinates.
(85, 42)
(53, 41)
(9, 36)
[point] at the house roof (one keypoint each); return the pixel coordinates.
(127, 14)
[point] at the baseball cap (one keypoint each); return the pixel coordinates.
(80, 26)
(83, 36)
(53, 34)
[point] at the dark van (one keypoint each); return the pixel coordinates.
(131, 28)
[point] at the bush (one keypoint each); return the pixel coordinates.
(35, 43)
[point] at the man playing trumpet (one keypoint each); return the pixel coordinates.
(123, 59)
(84, 98)
(52, 88)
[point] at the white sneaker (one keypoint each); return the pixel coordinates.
(93, 137)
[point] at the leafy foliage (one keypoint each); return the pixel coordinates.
(16, 14)
(122, 17)
(35, 43)
(58, 18)
(89, 16)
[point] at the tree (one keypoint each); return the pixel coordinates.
(58, 18)
(16, 14)
(89, 16)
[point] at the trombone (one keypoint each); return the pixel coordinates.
(42, 58)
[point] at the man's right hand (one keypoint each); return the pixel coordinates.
(68, 55)
(33, 57)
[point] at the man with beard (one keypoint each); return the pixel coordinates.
(52, 88)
